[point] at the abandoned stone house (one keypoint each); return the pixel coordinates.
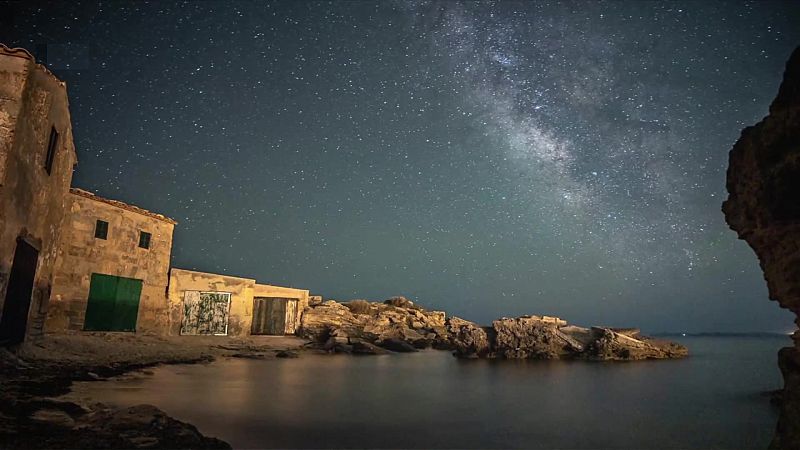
(36, 161)
(112, 268)
(72, 260)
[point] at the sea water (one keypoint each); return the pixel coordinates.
(716, 398)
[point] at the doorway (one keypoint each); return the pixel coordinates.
(205, 313)
(113, 303)
(274, 316)
(14, 321)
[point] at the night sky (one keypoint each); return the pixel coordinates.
(489, 159)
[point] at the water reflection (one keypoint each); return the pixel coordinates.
(431, 400)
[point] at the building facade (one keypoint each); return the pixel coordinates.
(207, 303)
(112, 269)
(37, 156)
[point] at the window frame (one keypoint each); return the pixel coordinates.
(52, 147)
(147, 242)
(97, 227)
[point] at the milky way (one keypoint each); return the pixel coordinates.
(488, 159)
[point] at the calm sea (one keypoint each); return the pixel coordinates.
(711, 400)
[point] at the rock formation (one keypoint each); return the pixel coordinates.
(358, 326)
(398, 325)
(764, 209)
(534, 337)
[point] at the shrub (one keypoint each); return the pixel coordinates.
(358, 306)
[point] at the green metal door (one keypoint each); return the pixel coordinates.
(126, 306)
(113, 303)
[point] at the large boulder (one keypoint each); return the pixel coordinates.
(468, 339)
(763, 208)
(396, 319)
(318, 321)
(530, 337)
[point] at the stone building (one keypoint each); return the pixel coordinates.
(112, 269)
(73, 261)
(113, 274)
(206, 303)
(37, 156)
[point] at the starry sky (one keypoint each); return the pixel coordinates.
(486, 158)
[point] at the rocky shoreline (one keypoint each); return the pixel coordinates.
(398, 325)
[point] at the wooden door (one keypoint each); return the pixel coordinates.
(205, 313)
(16, 306)
(291, 316)
(113, 303)
(269, 315)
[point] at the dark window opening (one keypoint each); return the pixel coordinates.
(144, 239)
(51, 150)
(101, 230)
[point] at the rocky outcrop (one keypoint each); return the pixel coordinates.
(608, 344)
(468, 339)
(534, 337)
(763, 207)
(396, 324)
(531, 337)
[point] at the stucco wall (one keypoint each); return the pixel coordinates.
(81, 254)
(32, 202)
(242, 290)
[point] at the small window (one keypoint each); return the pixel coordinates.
(52, 145)
(101, 229)
(144, 239)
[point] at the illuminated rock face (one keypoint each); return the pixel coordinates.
(764, 209)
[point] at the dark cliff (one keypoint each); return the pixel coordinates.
(763, 207)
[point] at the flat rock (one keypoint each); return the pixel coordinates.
(397, 345)
(365, 348)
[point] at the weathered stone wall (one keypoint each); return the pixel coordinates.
(764, 209)
(242, 291)
(32, 202)
(81, 254)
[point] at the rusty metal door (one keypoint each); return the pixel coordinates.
(269, 315)
(205, 313)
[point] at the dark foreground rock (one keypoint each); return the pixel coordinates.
(763, 207)
(67, 425)
(401, 326)
(29, 419)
